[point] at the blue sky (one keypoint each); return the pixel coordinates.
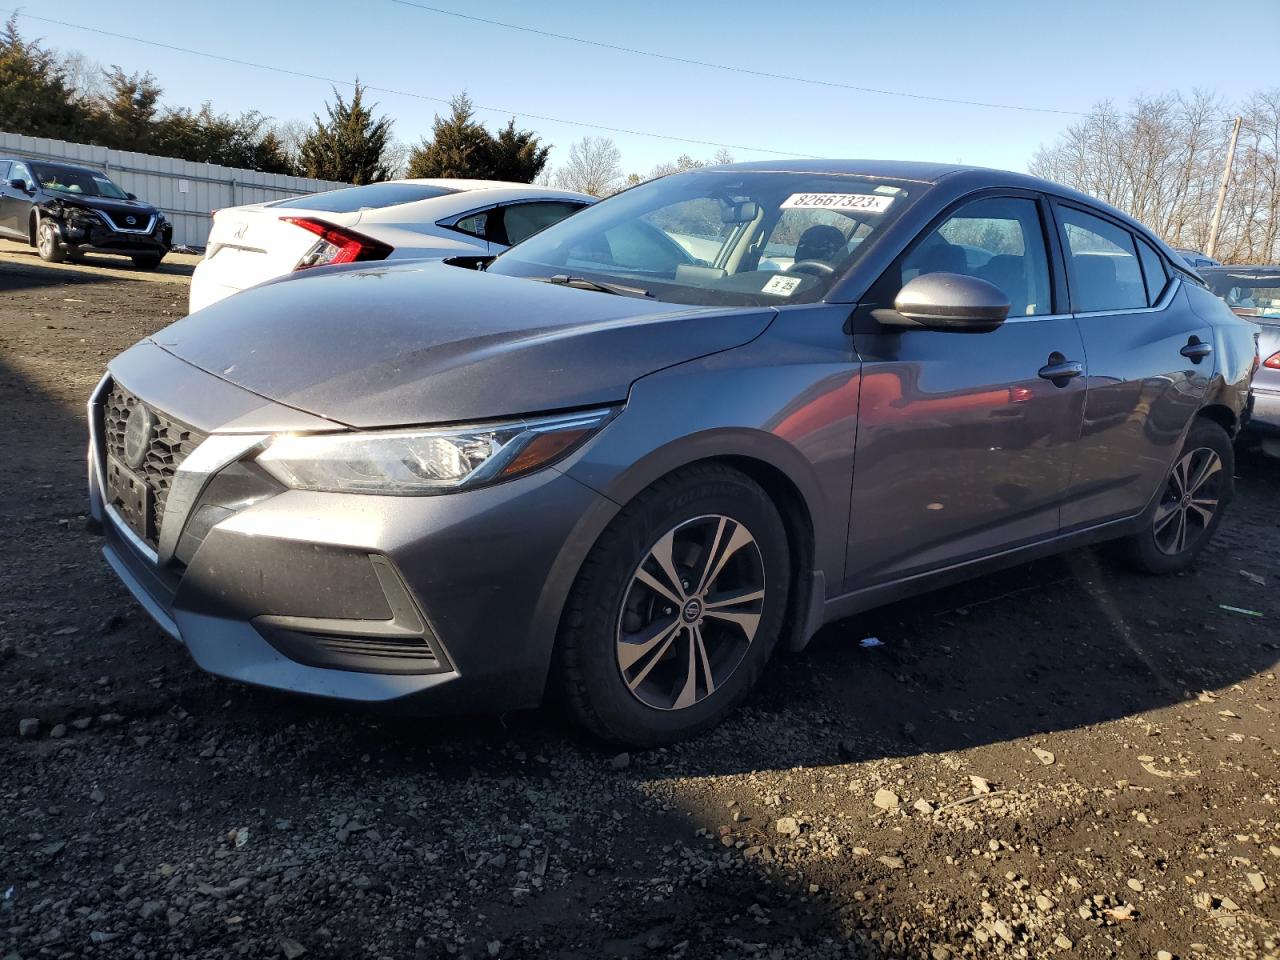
(1063, 55)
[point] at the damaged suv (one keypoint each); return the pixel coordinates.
(64, 210)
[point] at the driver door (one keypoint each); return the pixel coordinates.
(965, 446)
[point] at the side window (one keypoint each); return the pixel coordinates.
(20, 172)
(1104, 269)
(522, 220)
(999, 240)
(1153, 272)
(4, 170)
(474, 224)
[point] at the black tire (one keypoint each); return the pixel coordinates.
(705, 504)
(48, 243)
(147, 261)
(1177, 527)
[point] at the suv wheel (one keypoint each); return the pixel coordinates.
(48, 244)
(1191, 503)
(147, 261)
(677, 608)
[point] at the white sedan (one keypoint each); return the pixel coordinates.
(398, 219)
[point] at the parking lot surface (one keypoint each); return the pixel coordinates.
(1066, 759)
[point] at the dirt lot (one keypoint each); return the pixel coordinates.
(1063, 760)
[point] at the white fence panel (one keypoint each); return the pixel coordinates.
(187, 192)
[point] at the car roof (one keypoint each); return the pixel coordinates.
(920, 171)
(51, 163)
(463, 185)
(961, 177)
(1260, 269)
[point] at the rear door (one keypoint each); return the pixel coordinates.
(965, 440)
(1150, 360)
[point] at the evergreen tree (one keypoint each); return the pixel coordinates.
(460, 146)
(125, 116)
(350, 145)
(516, 155)
(36, 96)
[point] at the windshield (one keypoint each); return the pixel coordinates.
(727, 237)
(1256, 295)
(79, 183)
(374, 196)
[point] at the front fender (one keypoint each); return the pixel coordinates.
(787, 401)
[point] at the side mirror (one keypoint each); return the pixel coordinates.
(18, 184)
(947, 301)
(131, 196)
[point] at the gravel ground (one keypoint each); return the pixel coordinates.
(1066, 760)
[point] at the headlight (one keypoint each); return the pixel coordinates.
(427, 461)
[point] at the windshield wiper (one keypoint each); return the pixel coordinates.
(583, 283)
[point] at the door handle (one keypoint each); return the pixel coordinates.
(1059, 370)
(1195, 350)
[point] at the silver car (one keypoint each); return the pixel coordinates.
(1254, 293)
(654, 443)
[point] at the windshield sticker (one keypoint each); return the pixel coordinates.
(865, 202)
(781, 286)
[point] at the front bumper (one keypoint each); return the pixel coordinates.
(323, 594)
(91, 235)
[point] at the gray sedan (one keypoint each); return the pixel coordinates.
(652, 445)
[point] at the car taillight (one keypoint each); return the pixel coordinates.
(337, 244)
(1272, 362)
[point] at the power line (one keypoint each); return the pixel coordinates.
(731, 67)
(403, 93)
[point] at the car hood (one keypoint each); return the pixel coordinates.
(429, 343)
(122, 207)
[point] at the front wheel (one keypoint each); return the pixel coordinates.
(147, 261)
(676, 609)
(48, 244)
(1191, 503)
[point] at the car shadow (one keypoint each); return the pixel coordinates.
(22, 268)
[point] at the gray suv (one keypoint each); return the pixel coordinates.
(647, 447)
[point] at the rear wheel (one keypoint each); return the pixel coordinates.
(677, 608)
(1191, 503)
(147, 261)
(48, 243)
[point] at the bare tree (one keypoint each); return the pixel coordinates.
(594, 166)
(1160, 161)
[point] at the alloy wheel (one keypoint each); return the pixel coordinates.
(1190, 501)
(690, 612)
(46, 241)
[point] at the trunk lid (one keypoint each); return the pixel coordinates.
(255, 243)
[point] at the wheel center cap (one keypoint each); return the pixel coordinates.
(1186, 501)
(692, 611)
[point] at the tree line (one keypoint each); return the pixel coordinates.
(1161, 161)
(68, 97)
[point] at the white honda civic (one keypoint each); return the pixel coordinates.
(398, 219)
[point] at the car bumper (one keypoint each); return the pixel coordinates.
(1265, 414)
(99, 238)
(209, 284)
(444, 604)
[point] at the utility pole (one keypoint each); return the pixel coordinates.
(1222, 190)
